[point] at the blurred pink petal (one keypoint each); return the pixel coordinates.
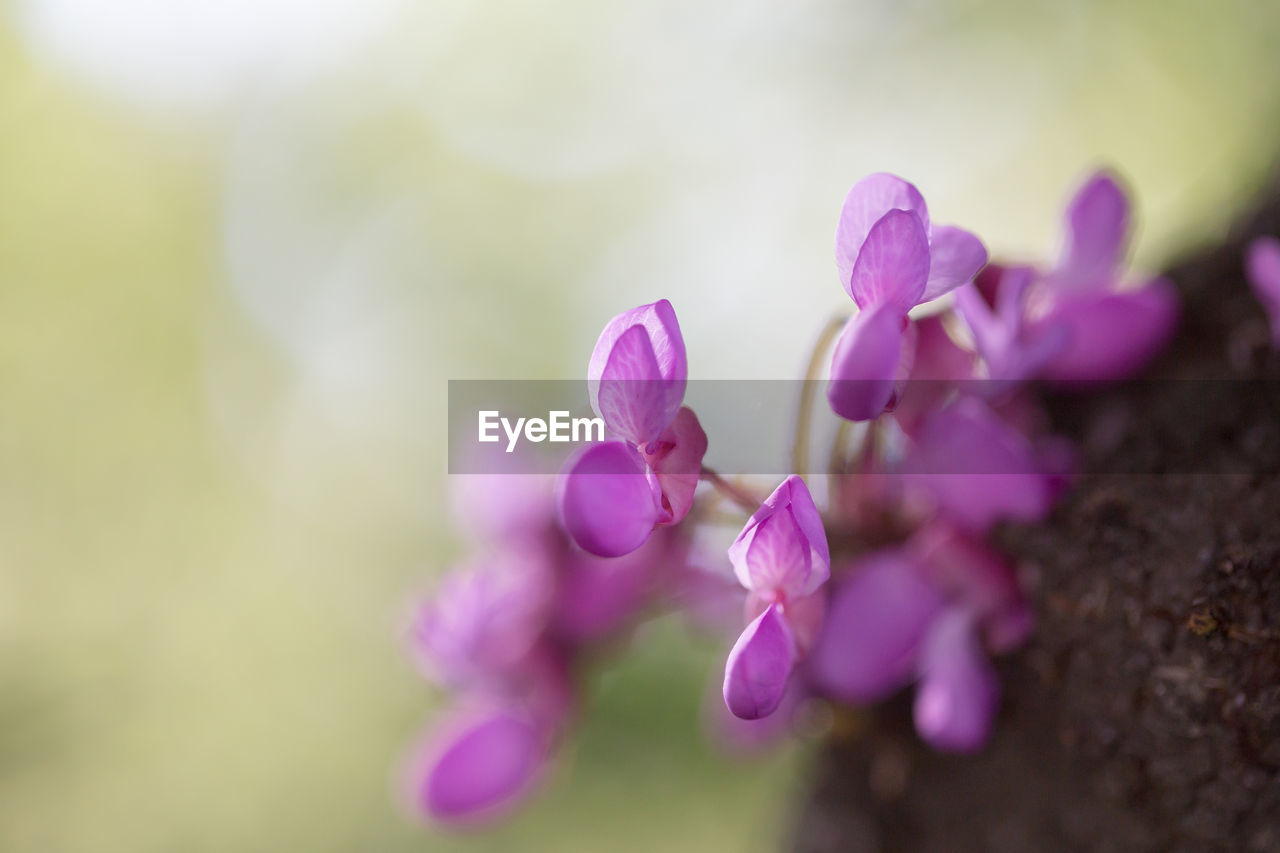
(875, 622)
(977, 469)
(1110, 334)
(1097, 230)
(958, 693)
(1262, 266)
(478, 765)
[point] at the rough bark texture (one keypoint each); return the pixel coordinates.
(1145, 713)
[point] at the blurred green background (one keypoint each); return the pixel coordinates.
(244, 244)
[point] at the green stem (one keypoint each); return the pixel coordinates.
(804, 412)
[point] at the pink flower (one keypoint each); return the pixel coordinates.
(890, 258)
(1079, 321)
(1262, 266)
(782, 558)
(611, 496)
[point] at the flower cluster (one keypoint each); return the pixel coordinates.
(892, 581)
(507, 632)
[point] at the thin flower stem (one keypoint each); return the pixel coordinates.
(735, 493)
(804, 410)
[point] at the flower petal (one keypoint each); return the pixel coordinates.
(607, 499)
(776, 555)
(977, 468)
(1097, 229)
(864, 366)
(869, 200)
(959, 691)
(631, 395)
(955, 257)
(483, 620)
(1262, 265)
(478, 765)
(893, 266)
(677, 461)
(659, 380)
(873, 628)
(971, 572)
(759, 665)
(1110, 334)
(760, 566)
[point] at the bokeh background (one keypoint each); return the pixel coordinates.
(244, 244)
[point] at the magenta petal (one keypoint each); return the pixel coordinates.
(756, 673)
(608, 501)
(632, 396)
(478, 765)
(955, 257)
(1262, 265)
(864, 366)
(869, 200)
(977, 468)
(677, 461)
(1110, 335)
(959, 691)
(776, 555)
(597, 596)
(893, 266)
(1097, 226)
(874, 625)
(783, 546)
(660, 381)
(483, 620)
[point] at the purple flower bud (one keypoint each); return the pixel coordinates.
(783, 547)
(890, 259)
(1262, 265)
(638, 372)
(959, 691)
(878, 616)
(759, 666)
(477, 764)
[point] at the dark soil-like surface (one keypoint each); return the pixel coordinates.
(1145, 713)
